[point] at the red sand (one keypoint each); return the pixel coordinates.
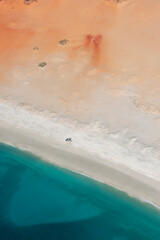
(119, 38)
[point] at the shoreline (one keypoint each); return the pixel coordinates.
(97, 83)
(135, 184)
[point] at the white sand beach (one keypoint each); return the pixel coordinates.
(46, 139)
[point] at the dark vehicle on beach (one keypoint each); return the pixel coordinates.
(68, 139)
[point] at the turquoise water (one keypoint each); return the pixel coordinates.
(42, 202)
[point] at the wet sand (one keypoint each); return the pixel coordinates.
(119, 176)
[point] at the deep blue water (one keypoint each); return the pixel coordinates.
(42, 202)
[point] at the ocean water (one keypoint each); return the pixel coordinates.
(40, 201)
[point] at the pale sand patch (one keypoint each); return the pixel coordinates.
(135, 184)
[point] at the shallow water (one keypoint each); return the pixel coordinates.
(40, 201)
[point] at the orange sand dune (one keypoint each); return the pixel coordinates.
(127, 29)
(45, 23)
(119, 38)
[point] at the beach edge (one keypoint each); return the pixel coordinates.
(135, 184)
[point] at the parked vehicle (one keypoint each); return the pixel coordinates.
(68, 139)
